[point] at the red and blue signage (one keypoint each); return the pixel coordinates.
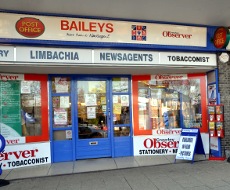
(139, 33)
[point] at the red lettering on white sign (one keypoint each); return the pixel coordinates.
(86, 26)
(18, 154)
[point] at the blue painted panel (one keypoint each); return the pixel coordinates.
(98, 148)
(62, 151)
(123, 146)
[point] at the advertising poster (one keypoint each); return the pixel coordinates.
(212, 94)
(90, 99)
(97, 86)
(117, 108)
(91, 112)
(60, 117)
(103, 100)
(25, 87)
(64, 101)
(120, 85)
(68, 134)
(10, 116)
(115, 99)
(124, 100)
(61, 85)
(25, 155)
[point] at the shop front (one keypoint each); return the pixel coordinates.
(76, 89)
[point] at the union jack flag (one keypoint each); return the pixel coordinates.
(139, 32)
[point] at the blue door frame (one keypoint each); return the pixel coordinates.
(69, 149)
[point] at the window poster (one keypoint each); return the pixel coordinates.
(91, 112)
(212, 94)
(64, 101)
(61, 85)
(68, 134)
(116, 85)
(103, 100)
(124, 84)
(117, 108)
(120, 84)
(90, 99)
(142, 106)
(10, 109)
(25, 87)
(60, 116)
(104, 108)
(97, 86)
(124, 100)
(115, 99)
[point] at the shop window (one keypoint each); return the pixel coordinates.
(24, 110)
(121, 131)
(62, 135)
(122, 121)
(168, 104)
(92, 109)
(31, 108)
(121, 114)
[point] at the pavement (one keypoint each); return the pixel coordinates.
(127, 173)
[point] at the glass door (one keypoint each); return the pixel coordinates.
(93, 119)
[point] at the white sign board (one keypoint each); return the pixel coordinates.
(54, 55)
(24, 26)
(6, 53)
(186, 147)
(29, 154)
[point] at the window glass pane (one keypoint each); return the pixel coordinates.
(120, 84)
(61, 84)
(62, 135)
(31, 108)
(92, 109)
(121, 114)
(121, 131)
(20, 113)
(61, 111)
(169, 104)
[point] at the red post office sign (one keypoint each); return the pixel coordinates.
(221, 37)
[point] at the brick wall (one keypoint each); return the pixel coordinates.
(224, 89)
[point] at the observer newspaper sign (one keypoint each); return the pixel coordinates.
(155, 145)
(25, 155)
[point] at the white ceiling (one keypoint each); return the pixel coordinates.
(204, 12)
(198, 12)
